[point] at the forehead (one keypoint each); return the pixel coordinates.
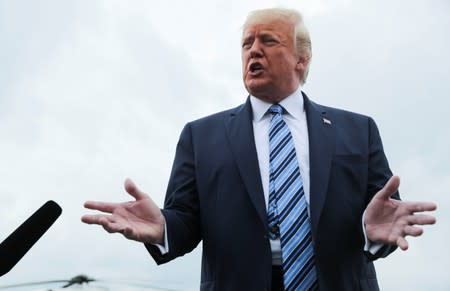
(278, 27)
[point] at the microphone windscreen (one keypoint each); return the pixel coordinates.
(18, 243)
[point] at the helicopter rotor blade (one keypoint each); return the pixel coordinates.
(142, 284)
(33, 283)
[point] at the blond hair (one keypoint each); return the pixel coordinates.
(302, 41)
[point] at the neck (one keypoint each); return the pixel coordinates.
(275, 98)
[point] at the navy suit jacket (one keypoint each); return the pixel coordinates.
(215, 195)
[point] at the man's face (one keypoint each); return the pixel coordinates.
(270, 65)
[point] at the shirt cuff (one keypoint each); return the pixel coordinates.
(164, 249)
(369, 246)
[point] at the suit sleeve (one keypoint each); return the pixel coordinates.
(181, 206)
(378, 175)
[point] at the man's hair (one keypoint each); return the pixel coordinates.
(302, 41)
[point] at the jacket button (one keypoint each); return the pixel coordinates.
(275, 229)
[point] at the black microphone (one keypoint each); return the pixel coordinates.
(18, 243)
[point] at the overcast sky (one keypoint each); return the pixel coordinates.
(92, 92)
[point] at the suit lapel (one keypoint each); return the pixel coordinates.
(321, 134)
(241, 139)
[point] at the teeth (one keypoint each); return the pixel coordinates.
(255, 67)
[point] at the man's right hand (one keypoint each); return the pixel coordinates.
(139, 220)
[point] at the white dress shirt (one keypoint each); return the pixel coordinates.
(295, 118)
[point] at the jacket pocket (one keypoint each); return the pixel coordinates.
(356, 158)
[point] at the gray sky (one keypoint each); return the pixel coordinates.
(92, 92)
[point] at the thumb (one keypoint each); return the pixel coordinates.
(390, 188)
(133, 190)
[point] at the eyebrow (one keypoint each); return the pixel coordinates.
(261, 34)
(268, 33)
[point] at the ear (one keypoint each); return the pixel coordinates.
(302, 63)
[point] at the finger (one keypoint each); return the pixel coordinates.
(95, 219)
(107, 207)
(133, 190)
(412, 230)
(113, 227)
(421, 219)
(128, 233)
(402, 243)
(414, 206)
(389, 189)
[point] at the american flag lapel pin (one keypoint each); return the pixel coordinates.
(326, 121)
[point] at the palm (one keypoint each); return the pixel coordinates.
(139, 220)
(139, 216)
(382, 217)
(388, 220)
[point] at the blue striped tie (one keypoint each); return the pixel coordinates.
(288, 214)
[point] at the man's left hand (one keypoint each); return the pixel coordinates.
(389, 221)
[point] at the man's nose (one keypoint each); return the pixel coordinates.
(256, 50)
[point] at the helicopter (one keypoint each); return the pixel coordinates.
(85, 283)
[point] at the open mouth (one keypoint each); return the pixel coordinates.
(256, 68)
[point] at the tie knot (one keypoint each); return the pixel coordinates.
(276, 109)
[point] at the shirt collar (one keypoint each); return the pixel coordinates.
(293, 104)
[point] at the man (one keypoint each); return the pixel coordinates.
(284, 193)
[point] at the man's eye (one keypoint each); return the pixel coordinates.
(246, 45)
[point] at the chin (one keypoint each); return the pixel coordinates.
(262, 95)
(256, 88)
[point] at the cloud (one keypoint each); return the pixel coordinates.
(91, 93)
